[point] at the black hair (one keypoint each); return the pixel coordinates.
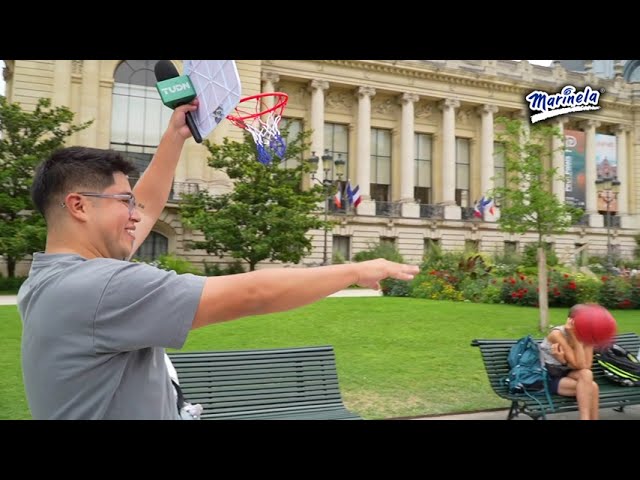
(73, 169)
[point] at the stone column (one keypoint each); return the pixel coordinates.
(451, 210)
(269, 80)
(89, 94)
(595, 219)
(363, 151)
(62, 83)
(407, 156)
(557, 161)
(622, 155)
(317, 121)
(487, 167)
(622, 173)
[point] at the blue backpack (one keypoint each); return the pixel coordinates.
(527, 375)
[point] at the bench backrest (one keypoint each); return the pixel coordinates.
(495, 352)
(237, 383)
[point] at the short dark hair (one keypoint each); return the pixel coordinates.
(573, 310)
(75, 168)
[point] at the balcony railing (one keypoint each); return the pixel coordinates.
(583, 221)
(431, 211)
(613, 221)
(388, 209)
(468, 213)
(333, 208)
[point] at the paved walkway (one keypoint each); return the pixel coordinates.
(357, 292)
(8, 300)
(631, 412)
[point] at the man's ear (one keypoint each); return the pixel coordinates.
(76, 205)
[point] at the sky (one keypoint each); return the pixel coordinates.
(545, 63)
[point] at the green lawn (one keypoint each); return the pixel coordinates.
(396, 357)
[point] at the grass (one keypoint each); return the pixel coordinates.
(396, 357)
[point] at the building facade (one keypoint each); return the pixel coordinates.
(418, 138)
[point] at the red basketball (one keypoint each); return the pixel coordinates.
(594, 325)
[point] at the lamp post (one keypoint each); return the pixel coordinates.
(327, 184)
(608, 189)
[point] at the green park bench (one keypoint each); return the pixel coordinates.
(494, 355)
(299, 383)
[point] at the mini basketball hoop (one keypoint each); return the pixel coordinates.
(260, 114)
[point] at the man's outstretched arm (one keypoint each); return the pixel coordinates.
(275, 290)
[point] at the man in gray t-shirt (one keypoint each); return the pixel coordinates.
(104, 322)
(95, 326)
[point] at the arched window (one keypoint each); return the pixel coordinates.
(153, 246)
(138, 117)
(632, 71)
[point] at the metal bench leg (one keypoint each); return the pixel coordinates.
(619, 409)
(513, 411)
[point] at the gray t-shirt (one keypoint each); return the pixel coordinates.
(94, 333)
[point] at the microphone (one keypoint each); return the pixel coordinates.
(176, 90)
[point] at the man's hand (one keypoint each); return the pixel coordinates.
(372, 271)
(178, 122)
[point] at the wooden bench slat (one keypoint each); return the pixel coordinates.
(494, 353)
(289, 383)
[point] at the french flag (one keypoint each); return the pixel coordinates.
(353, 195)
(337, 199)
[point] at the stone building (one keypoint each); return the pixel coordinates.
(417, 137)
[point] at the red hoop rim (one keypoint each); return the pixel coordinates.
(239, 117)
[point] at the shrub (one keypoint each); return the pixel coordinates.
(530, 255)
(615, 292)
(382, 250)
(175, 263)
(337, 258)
(562, 289)
(519, 290)
(11, 284)
(395, 288)
(215, 270)
(587, 288)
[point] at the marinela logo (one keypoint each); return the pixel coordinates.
(569, 100)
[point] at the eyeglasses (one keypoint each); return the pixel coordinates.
(131, 200)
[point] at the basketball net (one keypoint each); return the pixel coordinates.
(262, 123)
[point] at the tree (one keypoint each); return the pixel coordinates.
(268, 213)
(526, 200)
(26, 138)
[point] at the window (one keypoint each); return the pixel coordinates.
(336, 139)
(391, 241)
(471, 246)
(632, 71)
(290, 128)
(463, 159)
(431, 245)
(138, 117)
(153, 247)
(510, 248)
(423, 149)
(380, 165)
(499, 168)
(581, 254)
(341, 248)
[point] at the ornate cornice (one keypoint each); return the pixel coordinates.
(419, 73)
(519, 80)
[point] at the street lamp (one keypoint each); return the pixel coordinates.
(327, 184)
(608, 189)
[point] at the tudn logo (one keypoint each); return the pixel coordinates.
(179, 87)
(567, 101)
